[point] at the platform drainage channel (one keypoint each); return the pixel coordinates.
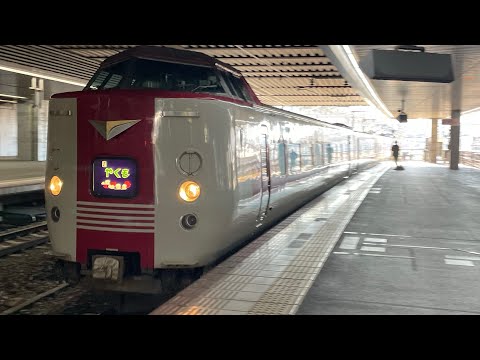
(304, 236)
(295, 244)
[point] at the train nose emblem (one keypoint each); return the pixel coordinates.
(110, 129)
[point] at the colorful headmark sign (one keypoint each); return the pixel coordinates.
(114, 177)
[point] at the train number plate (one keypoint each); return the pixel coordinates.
(107, 267)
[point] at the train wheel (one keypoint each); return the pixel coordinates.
(174, 280)
(169, 279)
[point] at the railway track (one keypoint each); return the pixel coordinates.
(23, 237)
(29, 302)
(30, 282)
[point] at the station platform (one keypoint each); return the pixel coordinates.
(382, 242)
(272, 274)
(21, 176)
(412, 248)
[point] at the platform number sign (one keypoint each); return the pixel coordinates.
(113, 177)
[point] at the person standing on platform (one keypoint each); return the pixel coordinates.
(395, 152)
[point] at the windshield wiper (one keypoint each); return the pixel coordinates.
(204, 87)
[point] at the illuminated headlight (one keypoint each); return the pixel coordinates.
(55, 185)
(189, 191)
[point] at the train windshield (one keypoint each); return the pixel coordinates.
(149, 74)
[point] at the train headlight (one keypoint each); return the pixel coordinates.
(55, 185)
(189, 191)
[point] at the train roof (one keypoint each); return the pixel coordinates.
(162, 53)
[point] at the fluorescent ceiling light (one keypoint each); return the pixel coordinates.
(12, 96)
(43, 76)
(470, 111)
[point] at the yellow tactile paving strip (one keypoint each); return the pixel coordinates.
(272, 274)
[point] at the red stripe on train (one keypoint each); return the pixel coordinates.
(107, 212)
(106, 207)
(143, 221)
(113, 227)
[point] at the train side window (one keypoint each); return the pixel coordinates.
(113, 81)
(294, 158)
(318, 155)
(280, 158)
(235, 86)
(108, 78)
(306, 156)
(98, 80)
(240, 88)
(230, 86)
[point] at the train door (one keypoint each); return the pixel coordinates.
(348, 150)
(353, 153)
(265, 174)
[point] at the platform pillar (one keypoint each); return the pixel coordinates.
(455, 140)
(433, 142)
(25, 131)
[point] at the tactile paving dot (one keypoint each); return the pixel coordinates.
(237, 279)
(180, 300)
(221, 294)
(306, 263)
(229, 286)
(289, 299)
(168, 309)
(265, 308)
(297, 276)
(292, 283)
(287, 290)
(195, 310)
(303, 269)
(208, 303)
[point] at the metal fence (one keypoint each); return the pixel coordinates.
(411, 155)
(423, 155)
(470, 158)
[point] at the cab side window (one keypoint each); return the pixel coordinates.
(236, 87)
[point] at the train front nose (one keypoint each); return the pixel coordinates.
(101, 205)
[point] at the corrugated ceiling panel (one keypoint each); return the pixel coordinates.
(48, 58)
(276, 61)
(271, 69)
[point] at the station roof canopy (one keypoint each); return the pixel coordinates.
(279, 74)
(306, 75)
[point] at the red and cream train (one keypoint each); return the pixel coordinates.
(167, 160)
